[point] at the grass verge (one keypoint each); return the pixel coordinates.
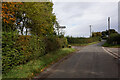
(85, 44)
(110, 45)
(36, 66)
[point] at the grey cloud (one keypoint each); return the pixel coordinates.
(78, 16)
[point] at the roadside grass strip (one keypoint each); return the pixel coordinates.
(111, 46)
(36, 66)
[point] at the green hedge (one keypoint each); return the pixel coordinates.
(11, 54)
(63, 42)
(53, 43)
(73, 40)
(114, 39)
(19, 49)
(36, 47)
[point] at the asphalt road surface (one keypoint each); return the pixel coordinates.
(90, 62)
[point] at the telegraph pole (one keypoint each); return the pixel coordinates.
(90, 30)
(108, 23)
(108, 26)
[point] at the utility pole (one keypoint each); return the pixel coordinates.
(90, 30)
(108, 26)
(108, 23)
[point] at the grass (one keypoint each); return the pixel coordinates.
(85, 44)
(110, 45)
(34, 67)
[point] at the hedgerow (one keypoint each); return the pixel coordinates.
(20, 49)
(114, 39)
(11, 54)
(53, 43)
(81, 40)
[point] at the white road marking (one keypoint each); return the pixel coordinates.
(109, 53)
(113, 53)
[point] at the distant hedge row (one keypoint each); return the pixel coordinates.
(19, 49)
(72, 40)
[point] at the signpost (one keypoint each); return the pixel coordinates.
(60, 27)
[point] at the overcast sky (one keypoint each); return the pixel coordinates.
(77, 16)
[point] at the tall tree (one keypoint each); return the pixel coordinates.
(41, 16)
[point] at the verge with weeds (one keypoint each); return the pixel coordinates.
(36, 66)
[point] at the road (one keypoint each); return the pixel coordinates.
(89, 62)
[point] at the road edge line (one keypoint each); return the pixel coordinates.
(113, 53)
(109, 53)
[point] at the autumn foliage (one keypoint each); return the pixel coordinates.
(38, 18)
(9, 10)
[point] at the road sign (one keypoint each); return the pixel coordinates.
(61, 27)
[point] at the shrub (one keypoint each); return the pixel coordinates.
(32, 46)
(63, 42)
(36, 47)
(18, 50)
(81, 40)
(114, 39)
(11, 54)
(52, 43)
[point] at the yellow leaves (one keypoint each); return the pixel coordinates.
(41, 70)
(8, 9)
(13, 12)
(12, 19)
(4, 20)
(2, 11)
(7, 22)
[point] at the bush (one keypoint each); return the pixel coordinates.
(63, 42)
(81, 40)
(37, 47)
(32, 46)
(11, 54)
(18, 50)
(114, 39)
(52, 43)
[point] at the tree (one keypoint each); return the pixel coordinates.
(38, 18)
(96, 34)
(9, 10)
(41, 16)
(108, 32)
